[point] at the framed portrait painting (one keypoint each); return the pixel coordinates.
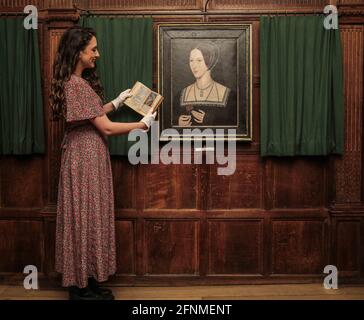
(205, 76)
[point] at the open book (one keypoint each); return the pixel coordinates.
(143, 99)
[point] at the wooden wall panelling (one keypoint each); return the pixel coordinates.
(298, 246)
(235, 246)
(126, 246)
(256, 83)
(347, 245)
(20, 245)
(182, 220)
(243, 189)
(1, 179)
(170, 186)
(351, 2)
(21, 181)
(362, 248)
(18, 5)
(264, 4)
(348, 168)
(203, 194)
(58, 4)
(140, 5)
(170, 5)
(124, 182)
(49, 227)
(171, 247)
(299, 183)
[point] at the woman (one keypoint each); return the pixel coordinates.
(85, 233)
(200, 103)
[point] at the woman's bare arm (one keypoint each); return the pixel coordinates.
(109, 128)
(108, 107)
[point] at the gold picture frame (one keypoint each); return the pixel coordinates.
(205, 76)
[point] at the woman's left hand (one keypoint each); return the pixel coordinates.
(198, 115)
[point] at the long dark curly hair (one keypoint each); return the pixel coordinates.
(73, 41)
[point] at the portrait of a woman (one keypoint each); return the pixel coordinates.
(205, 102)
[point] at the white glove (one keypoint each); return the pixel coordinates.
(147, 120)
(119, 101)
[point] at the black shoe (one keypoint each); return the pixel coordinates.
(104, 292)
(76, 293)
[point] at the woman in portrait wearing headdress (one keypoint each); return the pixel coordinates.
(204, 102)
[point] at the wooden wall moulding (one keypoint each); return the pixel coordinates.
(139, 5)
(18, 5)
(58, 4)
(348, 168)
(264, 4)
(350, 2)
(43, 6)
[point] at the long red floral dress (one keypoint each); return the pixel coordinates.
(85, 232)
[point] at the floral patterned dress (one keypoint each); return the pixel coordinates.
(85, 232)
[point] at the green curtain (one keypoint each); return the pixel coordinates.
(21, 107)
(301, 93)
(125, 47)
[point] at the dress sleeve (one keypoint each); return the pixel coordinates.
(82, 101)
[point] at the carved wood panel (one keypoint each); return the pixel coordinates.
(349, 167)
(350, 2)
(6, 4)
(58, 4)
(140, 4)
(264, 4)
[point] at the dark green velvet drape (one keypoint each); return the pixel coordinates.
(301, 87)
(125, 47)
(21, 107)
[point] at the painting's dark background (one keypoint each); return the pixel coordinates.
(274, 220)
(225, 71)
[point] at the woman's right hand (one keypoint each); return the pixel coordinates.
(119, 101)
(149, 117)
(185, 121)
